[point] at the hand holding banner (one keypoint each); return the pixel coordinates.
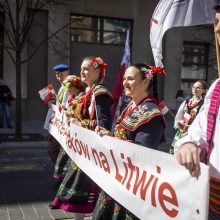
(158, 186)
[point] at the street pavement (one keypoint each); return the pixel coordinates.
(26, 183)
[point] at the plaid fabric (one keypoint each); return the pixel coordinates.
(214, 199)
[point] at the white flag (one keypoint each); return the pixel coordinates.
(176, 13)
(163, 108)
(47, 93)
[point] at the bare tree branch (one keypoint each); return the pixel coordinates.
(11, 55)
(11, 39)
(43, 41)
(10, 16)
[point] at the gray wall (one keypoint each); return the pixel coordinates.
(111, 54)
(39, 71)
(37, 67)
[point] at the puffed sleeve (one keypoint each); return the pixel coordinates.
(179, 114)
(149, 134)
(103, 105)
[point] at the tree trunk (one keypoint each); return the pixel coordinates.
(18, 112)
(18, 117)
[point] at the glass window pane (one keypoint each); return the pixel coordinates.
(113, 37)
(78, 35)
(98, 29)
(85, 22)
(116, 25)
(194, 58)
(193, 73)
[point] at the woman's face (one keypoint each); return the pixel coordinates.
(133, 83)
(89, 74)
(197, 89)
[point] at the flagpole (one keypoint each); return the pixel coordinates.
(217, 54)
(171, 114)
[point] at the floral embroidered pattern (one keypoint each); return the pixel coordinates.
(140, 110)
(119, 132)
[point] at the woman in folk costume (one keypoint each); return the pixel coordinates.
(203, 138)
(188, 111)
(75, 89)
(141, 122)
(78, 193)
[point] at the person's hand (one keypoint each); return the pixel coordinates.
(188, 156)
(102, 131)
(74, 121)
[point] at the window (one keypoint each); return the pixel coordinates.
(98, 29)
(194, 64)
(194, 61)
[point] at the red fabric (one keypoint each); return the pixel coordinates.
(86, 207)
(211, 120)
(118, 88)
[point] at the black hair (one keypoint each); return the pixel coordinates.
(217, 6)
(142, 69)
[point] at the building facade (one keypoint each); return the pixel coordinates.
(83, 28)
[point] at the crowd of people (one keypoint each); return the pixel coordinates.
(76, 192)
(140, 122)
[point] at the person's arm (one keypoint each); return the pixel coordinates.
(179, 115)
(103, 105)
(188, 148)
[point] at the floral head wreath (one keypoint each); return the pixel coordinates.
(151, 71)
(98, 62)
(76, 83)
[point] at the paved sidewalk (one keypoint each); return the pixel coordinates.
(26, 183)
(28, 127)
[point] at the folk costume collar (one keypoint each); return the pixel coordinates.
(144, 112)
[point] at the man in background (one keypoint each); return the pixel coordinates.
(61, 71)
(5, 101)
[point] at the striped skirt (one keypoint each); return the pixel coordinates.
(214, 200)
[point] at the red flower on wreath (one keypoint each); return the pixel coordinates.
(98, 62)
(75, 82)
